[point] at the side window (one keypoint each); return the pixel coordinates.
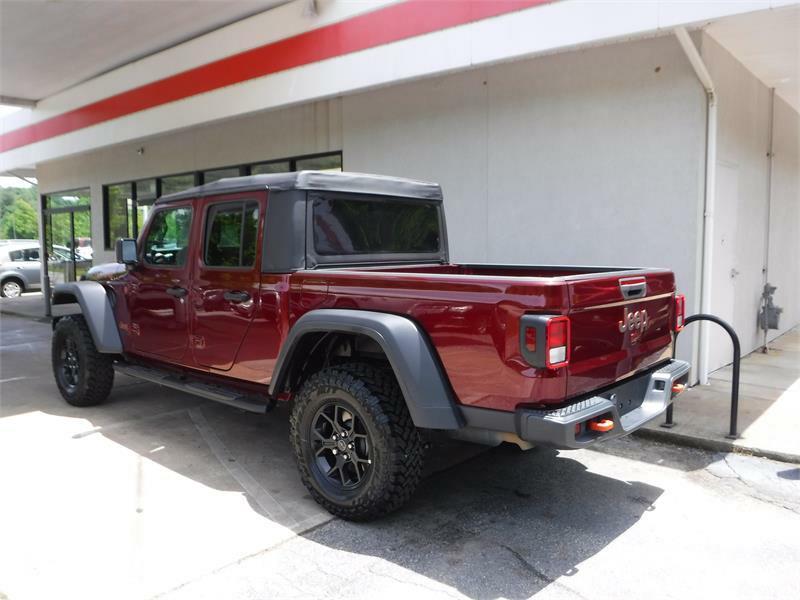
(31, 254)
(15, 255)
(168, 237)
(231, 235)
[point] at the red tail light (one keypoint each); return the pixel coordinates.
(557, 342)
(680, 312)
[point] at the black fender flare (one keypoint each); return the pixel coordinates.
(422, 380)
(96, 308)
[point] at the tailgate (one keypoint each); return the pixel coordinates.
(621, 324)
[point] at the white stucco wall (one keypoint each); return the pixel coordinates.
(304, 129)
(784, 236)
(743, 219)
(589, 157)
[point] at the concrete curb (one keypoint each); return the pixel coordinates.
(678, 439)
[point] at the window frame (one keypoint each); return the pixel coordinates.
(215, 204)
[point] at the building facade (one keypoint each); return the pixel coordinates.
(553, 145)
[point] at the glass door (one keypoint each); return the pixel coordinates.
(67, 232)
(60, 267)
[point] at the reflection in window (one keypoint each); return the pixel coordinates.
(280, 166)
(217, 174)
(231, 235)
(119, 206)
(145, 197)
(168, 238)
(329, 162)
(343, 226)
(176, 183)
(71, 198)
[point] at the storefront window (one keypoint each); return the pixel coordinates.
(119, 206)
(217, 174)
(329, 162)
(128, 205)
(68, 199)
(281, 166)
(176, 183)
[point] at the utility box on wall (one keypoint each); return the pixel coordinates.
(769, 315)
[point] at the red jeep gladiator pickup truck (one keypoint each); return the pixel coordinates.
(334, 291)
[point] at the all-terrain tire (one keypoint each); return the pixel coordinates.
(83, 375)
(396, 449)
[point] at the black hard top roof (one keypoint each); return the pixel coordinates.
(357, 183)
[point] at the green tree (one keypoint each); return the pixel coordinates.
(18, 220)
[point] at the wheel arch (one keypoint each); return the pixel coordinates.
(95, 306)
(421, 378)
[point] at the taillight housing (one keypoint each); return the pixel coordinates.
(545, 340)
(557, 343)
(679, 312)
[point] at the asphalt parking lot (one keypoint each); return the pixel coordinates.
(160, 495)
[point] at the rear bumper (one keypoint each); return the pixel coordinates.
(629, 405)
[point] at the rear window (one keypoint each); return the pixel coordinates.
(344, 226)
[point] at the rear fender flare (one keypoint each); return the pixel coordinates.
(422, 380)
(96, 308)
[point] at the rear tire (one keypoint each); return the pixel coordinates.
(357, 449)
(83, 375)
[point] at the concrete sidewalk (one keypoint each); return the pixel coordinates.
(769, 407)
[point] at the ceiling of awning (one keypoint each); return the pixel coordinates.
(767, 43)
(47, 46)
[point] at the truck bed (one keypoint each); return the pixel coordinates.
(471, 314)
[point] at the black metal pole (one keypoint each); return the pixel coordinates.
(737, 355)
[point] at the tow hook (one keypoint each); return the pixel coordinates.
(601, 425)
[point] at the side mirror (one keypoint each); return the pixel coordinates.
(127, 252)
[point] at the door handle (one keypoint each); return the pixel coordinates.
(236, 296)
(178, 292)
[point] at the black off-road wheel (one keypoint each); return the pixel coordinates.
(83, 375)
(358, 451)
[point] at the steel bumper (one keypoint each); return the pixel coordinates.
(628, 405)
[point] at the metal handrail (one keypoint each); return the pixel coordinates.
(737, 355)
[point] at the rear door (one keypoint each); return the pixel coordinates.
(225, 289)
(620, 324)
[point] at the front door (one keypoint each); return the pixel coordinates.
(158, 298)
(225, 287)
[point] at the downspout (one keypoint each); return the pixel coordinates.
(710, 190)
(770, 163)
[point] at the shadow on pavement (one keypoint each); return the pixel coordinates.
(456, 531)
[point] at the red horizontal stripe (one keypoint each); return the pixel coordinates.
(383, 26)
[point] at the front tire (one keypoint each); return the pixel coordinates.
(83, 375)
(357, 449)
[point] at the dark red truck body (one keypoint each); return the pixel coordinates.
(335, 291)
(470, 314)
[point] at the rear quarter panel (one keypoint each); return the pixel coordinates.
(472, 322)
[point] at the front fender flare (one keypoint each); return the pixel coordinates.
(96, 309)
(422, 380)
